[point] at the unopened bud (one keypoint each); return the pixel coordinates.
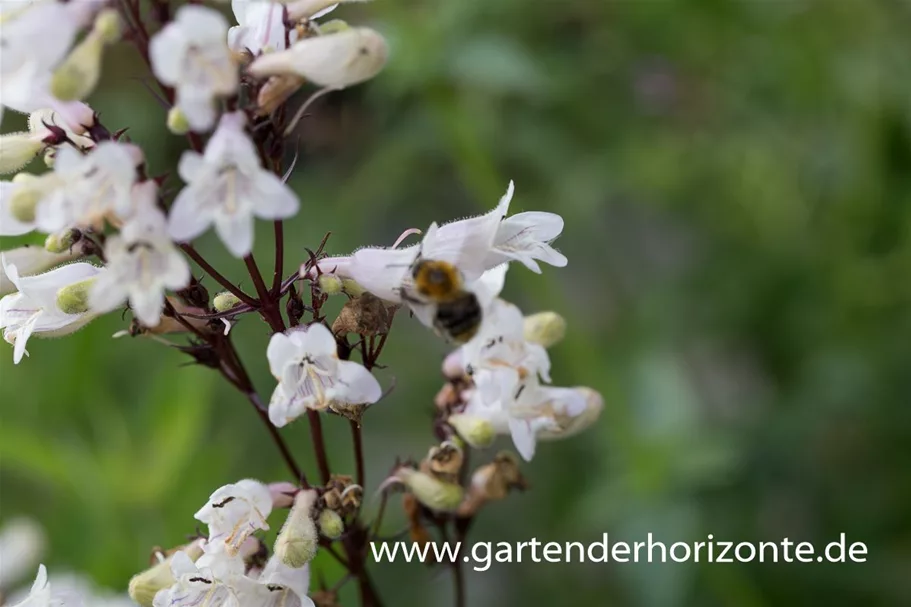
(296, 543)
(178, 124)
(432, 492)
(61, 242)
(144, 586)
(17, 150)
(477, 431)
(545, 328)
(225, 301)
(333, 26)
(333, 61)
(331, 524)
(74, 298)
(76, 77)
(107, 25)
(330, 284)
(567, 425)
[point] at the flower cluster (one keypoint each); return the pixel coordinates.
(115, 237)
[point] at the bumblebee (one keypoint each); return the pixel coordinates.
(458, 312)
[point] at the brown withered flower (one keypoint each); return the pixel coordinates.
(492, 482)
(363, 315)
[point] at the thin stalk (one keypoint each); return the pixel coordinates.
(208, 269)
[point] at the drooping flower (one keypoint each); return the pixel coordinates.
(305, 362)
(49, 304)
(233, 512)
(191, 54)
(227, 187)
(142, 263)
(87, 189)
(334, 61)
(209, 582)
(260, 29)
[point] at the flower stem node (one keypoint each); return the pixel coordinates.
(434, 493)
(476, 431)
(177, 121)
(545, 328)
(74, 298)
(331, 524)
(225, 301)
(298, 539)
(61, 242)
(144, 586)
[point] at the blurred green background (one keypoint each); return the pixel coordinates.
(735, 178)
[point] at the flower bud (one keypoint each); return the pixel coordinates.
(30, 260)
(432, 492)
(74, 298)
(144, 586)
(225, 301)
(567, 426)
(333, 61)
(477, 431)
(177, 121)
(17, 150)
(330, 284)
(76, 77)
(331, 524)
(107, 25)
(545, 328)
(352, 288)
(61, 242)
(298, 539)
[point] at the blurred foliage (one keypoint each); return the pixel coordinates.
(736, 182)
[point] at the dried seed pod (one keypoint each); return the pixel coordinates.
(493, 481)
(444, 462)
(363, 315)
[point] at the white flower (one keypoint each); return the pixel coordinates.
(41, 594)
(207, 583)
(228, 187)
(333, 61)
(233, 512)
(34, 308)
(261, 27)
(191, 54)
(30, 260)
(311, 376)
(141, 263)
(88, 188)
(278, 586)
(526, 237)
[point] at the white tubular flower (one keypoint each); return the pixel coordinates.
(278, 586)
(142, 263)
(261, 27)
(525, 238)
(191, 54)
(310, 375)
(40, 595)
(90, 187)
(334, 61)
(232, 513)
(35, 309)
(30, 260)
(209, 582)
(227, 186)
